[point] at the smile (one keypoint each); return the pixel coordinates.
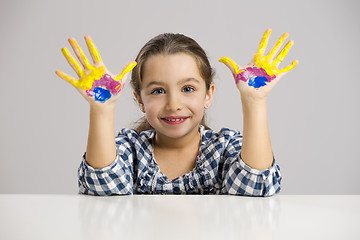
(174, 120)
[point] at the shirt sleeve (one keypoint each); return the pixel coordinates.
(241, 179)
(116, 179)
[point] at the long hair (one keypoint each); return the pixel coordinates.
(167, 44)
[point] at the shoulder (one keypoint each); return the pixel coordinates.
(130, 137)
(224, 135)
(225, 142)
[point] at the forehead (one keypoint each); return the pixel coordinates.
(170, 68)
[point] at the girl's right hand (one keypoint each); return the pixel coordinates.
(95, 83)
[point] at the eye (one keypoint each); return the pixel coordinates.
(188, 89)
(158, 91)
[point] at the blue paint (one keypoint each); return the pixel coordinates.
(101, 94)
(257, 82)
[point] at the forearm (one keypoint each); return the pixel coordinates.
(254, 82)
(101, 148)
(256, 149)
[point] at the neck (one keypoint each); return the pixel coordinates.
(162, 141)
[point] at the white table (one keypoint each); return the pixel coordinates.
(179, 217)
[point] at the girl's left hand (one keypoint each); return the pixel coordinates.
(256, 79)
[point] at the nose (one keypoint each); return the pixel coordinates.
(173, 103)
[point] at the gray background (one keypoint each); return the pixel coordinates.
(313, 111)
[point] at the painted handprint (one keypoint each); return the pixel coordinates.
(94, 79)
(262, 69)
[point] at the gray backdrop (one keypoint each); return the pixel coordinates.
(313, 111)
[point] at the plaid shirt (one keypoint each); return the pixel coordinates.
(219, 169)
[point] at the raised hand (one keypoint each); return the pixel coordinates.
(95, 82)
(262, 73)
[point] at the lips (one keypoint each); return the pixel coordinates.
(174, 120)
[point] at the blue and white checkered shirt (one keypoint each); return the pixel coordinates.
(219, 169)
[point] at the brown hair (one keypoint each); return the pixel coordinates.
(166, 44)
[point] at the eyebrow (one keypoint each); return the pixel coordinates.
(185, 80)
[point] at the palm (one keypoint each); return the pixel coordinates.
(94, 81)
(256, 79)
(252, 92)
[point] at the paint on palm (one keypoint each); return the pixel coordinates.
(265, 69)
(95, 81)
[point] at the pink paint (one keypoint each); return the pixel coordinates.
(106, 82)
(250, 72)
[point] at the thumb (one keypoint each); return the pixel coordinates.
(125, 70)
(234, 68)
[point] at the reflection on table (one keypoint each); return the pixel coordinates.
(179, 217)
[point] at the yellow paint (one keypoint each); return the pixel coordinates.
(125, 71)
(264, 41)
(78, 50)
(262, 62)
(266, 62)
(68, 78)
(229, 61)
(73, 62)
(92, 73)
(93, 49)
(87, 81)
(277, 45)
(288, 68)
(283, 53)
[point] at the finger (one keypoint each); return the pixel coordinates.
(283, 53)
(122, 82)
(73, 63)
(288, 68)
(92, 49)
(127, 69)
(234, 68)
(79, 53)
(67, 78)
(275, 49)
(264, 41)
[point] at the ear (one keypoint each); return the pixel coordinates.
(138, 99)
(209, 95)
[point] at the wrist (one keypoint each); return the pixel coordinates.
(101, 108)
(254, 111)
(249, 104)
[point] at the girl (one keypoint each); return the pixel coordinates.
(172, 150)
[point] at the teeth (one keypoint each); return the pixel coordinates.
(175, 120)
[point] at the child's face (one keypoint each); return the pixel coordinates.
(174, 94)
